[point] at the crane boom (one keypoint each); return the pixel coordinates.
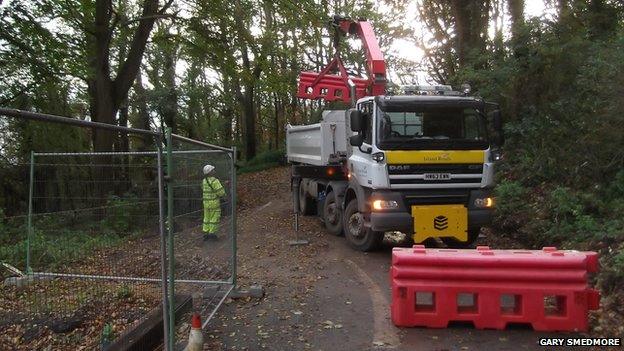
(334, 87)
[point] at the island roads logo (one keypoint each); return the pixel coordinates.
(440, 222)
(445, 156)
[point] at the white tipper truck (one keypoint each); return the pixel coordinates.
(421, 164)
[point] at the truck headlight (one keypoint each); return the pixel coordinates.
(496, 155)
(378, 156)
(484, 202)
(385, 204)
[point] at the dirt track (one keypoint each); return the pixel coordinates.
(324, 296)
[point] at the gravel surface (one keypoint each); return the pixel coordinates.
(323, 296)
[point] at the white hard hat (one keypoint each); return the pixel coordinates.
(208, 169)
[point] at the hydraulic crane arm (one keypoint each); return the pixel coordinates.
(332, 87)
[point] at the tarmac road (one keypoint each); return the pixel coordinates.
(325, 295)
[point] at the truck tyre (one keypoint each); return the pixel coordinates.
(332, 215)
(306, 203)
(473, 235)
(359, 237)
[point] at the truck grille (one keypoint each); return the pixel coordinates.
(427, 174)
(435, 199)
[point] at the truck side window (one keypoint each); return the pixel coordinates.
(367, 108)
(472, 126)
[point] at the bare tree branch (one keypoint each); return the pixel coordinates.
(128, 70)
(154, 17)
(17, 94)
(165, 7)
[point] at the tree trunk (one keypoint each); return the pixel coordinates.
(461, 29)
(249, 117)
(276, 125)
(103, 110)
(227, 116)
(518, 42)
(106, 95)
(471, 23)
(100, 87)
(123, 145)
(602, 21)
(563, 8)
(143, 118)
(170, 105)
(516, 13)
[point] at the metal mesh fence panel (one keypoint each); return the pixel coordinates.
(203, 229)
(106, 201)
(92, 247)
(112, 240)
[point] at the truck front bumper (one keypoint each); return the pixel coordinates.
(401, 219)
(392, 221)
(404, 222)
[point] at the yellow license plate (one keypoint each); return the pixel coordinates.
(436, 221)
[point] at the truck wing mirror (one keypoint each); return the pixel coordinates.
(499, 139)
(497, 124)
(497, 120)
(356, 119)
(356, 140)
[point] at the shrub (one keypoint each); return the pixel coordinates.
(509, 194)
(564, 204)
(611, 278)
(616, 187)
(54, 248)
(124, 291)
(121, 214)
(262, 161)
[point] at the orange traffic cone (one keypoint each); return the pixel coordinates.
(196, 337)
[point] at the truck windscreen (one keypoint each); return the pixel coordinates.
(432, 128)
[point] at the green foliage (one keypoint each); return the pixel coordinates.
(558, 217)
(3, 226)
(54, 243)
(108, 334)
(264, 160)
(12, 245)
(616, 188)
(124, 291)
(560, 86)
(611, 278)
(618, 260)
(564, 204)
(507, 194)
(121, 214)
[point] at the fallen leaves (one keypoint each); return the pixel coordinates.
(69, 314)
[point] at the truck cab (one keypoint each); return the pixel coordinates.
(423, 165)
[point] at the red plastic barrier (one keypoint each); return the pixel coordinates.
(493, 288)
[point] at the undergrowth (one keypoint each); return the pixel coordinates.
(64, 238)
(262, 161)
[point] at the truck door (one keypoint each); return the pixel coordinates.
(361, 158)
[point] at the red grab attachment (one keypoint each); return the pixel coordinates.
(493, 288)
(335, 87)
(329, 87)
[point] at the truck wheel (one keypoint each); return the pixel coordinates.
(306, 203)
(332, 215)
(358, 236)
(473, 235)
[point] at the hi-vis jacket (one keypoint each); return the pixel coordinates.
(212, 191)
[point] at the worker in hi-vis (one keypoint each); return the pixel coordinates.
(212, 192)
